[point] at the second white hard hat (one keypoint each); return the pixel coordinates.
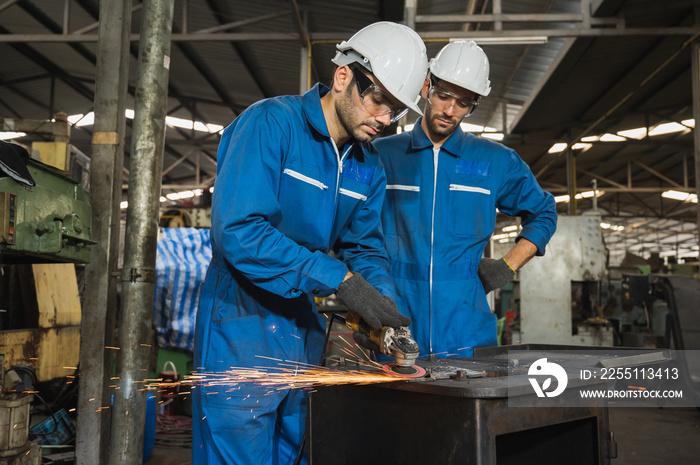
(464, 64)
(395, 54)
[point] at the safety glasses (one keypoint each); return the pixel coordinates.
(375, 100)
(443, 99)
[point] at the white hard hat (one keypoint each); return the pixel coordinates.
(464, 64)
(395, 54)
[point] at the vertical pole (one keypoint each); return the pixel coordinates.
(410, 8)
(571, 180)
(586, 14)
(52, 97)
(66, 16)
(695, 64)
(504, 117)
(99, 309)
(497, 10)
(304, 69)
(185, 15)
(595, 194)
(138, 273)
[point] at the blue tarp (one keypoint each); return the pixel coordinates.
(181, 264)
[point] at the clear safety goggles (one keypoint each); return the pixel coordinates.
(440, 98)
(375, 100)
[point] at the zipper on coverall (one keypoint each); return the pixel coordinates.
(436, 152)
(339, 171)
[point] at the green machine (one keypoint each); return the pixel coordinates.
(52, 220)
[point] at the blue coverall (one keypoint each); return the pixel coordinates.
(439, 213)
(284, 197)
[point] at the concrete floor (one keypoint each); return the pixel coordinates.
(654, 436)
(645, 436)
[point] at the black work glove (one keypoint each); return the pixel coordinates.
(494, 274)
(375, 309)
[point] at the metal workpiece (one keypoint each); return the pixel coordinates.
(51, 220)
(136, 325)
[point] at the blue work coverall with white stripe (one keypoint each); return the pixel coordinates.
(439, 213)
(284, 197)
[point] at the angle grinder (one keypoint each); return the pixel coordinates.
(394, 342)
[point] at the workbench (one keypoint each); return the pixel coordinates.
(460, 420)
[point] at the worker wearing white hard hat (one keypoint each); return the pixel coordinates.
(297, 178)
(444, 187)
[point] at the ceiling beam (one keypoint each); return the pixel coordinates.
(335, 36)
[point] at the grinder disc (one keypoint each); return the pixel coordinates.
(413, 371)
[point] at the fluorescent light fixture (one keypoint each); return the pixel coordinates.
(499, 236)
(89, 119)
(636, 133)
(513, 227)
(467, 127)
(507, 40)
(492, 135)
(503, 241)
(614, 227)
(408, 127)
(688, 122)
(172, 121)
(682, 196)
(590, 139)
(82, 120)
(611, 138)
(580, 195)
(186, 194)
(589, 194)
(123, 205)
(399, 129)
(11, 135)
(667, 128)
(558, 147)
(581, 146)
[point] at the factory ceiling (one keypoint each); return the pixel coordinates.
(609, 81)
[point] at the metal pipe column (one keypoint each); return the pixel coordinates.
(695, 64)
(107, 162)
(138, 273)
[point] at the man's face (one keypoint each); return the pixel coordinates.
(443, 112)
(355, 117)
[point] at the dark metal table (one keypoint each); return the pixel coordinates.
(465, 420)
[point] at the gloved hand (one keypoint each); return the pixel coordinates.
(375, 309)
(494, 274)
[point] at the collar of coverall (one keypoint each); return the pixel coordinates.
(453, 145)
(311, 106)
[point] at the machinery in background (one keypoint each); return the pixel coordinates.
(666, 309)
(44, 230)
(15, 447)
(50, 221)
(560, 293)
